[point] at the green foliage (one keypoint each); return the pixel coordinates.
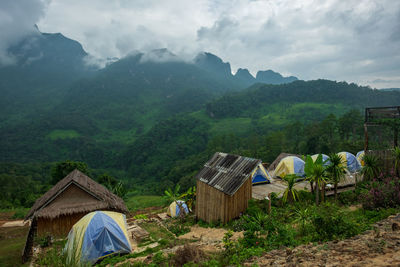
(112, 184)
(290, 194)
(19, 213)
(396, 154)
(335, 170)
(178, 229)
(330, 223)
(316, 173)
(138, 202)
(372, 167)
(62, 169)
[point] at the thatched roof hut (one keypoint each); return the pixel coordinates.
(69, 200)
(224, 187)
(275, 163)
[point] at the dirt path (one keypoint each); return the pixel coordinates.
(378, 247)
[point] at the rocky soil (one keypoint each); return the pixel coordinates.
(377, 247)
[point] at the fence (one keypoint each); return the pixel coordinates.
(387, 158)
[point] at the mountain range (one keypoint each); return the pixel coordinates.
(148, 110)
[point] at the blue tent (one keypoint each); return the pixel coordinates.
(260, 175)
(174, 210)
(350, 161)
(325, 159)
(96, 235)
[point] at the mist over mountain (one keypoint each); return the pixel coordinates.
(146, 112)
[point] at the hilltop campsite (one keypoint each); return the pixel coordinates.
(199, 133)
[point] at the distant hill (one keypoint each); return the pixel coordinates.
(390, 89)
(272, 77)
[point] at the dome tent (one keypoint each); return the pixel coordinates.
(174, 210)
(360, 157)
(350, 161)
(290, 165)
(97, 235)
(325, 159)
(260, 175)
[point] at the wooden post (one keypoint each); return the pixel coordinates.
(365, 137)
(396, 133)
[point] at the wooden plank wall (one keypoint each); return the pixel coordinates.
(386, 157)
(213, 205)
(58, 227)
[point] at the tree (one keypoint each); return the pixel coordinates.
(112, 184)
(63, 168)
(315, 172)
(290, 194)
(335, 170)
(371, 167)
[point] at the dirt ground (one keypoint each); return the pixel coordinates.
(208, 234)
(378, 247)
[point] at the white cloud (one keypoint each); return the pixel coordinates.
(356, 41)
(17, 19)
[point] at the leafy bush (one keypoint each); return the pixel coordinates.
(383, 192)
(348, 197)
(331, 222)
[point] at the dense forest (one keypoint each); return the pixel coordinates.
(153, 123)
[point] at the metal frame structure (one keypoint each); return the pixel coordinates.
(378, 113)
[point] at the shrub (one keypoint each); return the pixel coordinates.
(348, 197)
(330, 222)
(383, 192)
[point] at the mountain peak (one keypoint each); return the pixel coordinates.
(212, 63)
(272, 77)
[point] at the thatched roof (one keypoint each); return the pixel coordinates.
(275, 163)
(98, 197)
(227, 172)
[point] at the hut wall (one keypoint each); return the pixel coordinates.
(68, 202)
(58, 227)
(238, 203)
(213, 205)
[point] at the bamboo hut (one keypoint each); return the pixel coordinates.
(68, 201)
(224, 187)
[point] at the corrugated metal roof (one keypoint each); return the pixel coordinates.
(227, 172)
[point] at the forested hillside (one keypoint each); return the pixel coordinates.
(152, 119)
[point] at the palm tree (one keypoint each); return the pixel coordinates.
(290, 194)
(335, 170)
(371, 167)
(302, 216)
(315, 172)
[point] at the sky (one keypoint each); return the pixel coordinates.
(353, 40)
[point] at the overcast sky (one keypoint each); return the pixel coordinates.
(355, 41)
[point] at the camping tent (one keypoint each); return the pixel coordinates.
(350, 161)
(260, 175)
(96, 235)
(325, 159)
(360, 157)
(174, 210)
(290, 165)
